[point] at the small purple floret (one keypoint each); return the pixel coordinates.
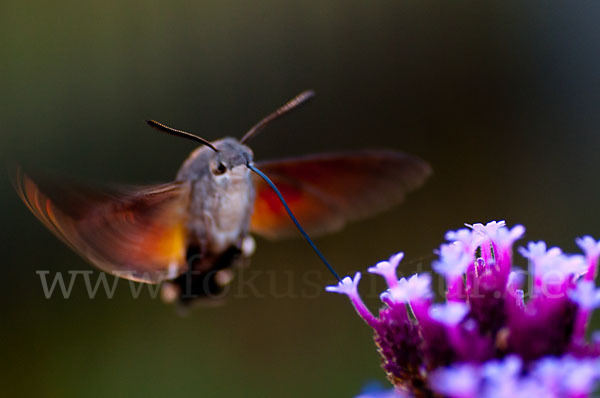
(387, 269)
(349, 287)
(450, 313)
(417, 287)
(586, 295)
(456, 381)
(494, 336)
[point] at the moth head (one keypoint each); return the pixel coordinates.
(230, 159)
(227, 157)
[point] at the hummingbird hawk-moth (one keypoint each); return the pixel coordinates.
(186, 232)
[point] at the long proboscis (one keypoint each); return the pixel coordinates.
(294, 219)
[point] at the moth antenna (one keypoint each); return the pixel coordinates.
(180, 133)
(289, 212)
(291, 104)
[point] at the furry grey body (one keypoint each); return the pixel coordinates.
(221, 200)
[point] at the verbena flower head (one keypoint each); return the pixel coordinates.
(487, 340)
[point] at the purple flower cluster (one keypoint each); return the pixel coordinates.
(488, 339)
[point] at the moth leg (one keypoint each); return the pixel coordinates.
(169, 292)
(207, 279)
(248, 246)
(183, 285)
(208, 274)
(224, 277)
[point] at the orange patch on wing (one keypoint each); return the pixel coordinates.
(137, 233)
(325, 191)
(169, 244)
(270, 218)
(268, 210)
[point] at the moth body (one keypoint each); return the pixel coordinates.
(221, 195)
(189, 233)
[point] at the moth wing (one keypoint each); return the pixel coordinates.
(326, 191)
(136, 233)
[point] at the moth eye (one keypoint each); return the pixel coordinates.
(220, 169)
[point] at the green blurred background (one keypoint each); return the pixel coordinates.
(500, 97)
